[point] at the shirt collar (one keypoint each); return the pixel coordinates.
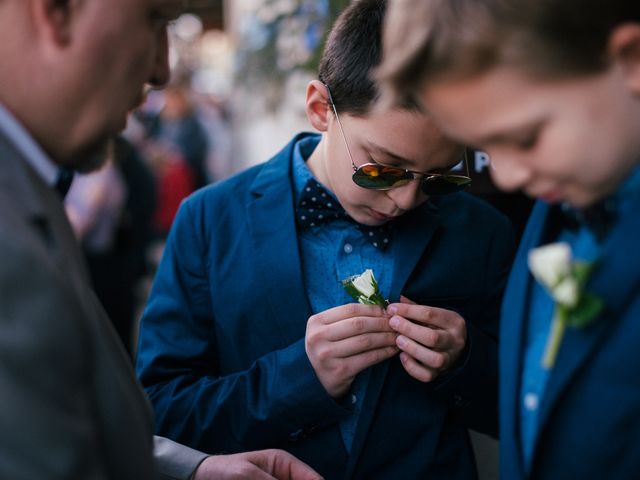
(28, 147)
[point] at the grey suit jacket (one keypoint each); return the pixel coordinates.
(70, 405)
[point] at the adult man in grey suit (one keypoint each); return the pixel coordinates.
(70, 407)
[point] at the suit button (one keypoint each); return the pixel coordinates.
(297, 435)
(531, 402)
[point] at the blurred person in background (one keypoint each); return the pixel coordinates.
(215, 116)
(111, 212)
(71, 407)
(177, 145)
(177, 129)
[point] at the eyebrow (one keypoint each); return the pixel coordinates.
(396, 158)
(513, 133)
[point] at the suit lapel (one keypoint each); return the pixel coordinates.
(411, 235)
(273, 234)
(513, 323)
(41, 206)
(615, 281)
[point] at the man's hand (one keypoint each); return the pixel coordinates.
(431, 339)
(343, 341)
(260, 465)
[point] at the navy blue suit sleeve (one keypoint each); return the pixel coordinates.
(272, 401)
(473, 386)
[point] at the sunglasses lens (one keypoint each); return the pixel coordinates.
(379, 177)
(444, 184)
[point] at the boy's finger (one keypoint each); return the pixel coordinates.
(434, 316)
(364, 360)
(362, 343)
(434, 338)
(349, 310)
(351, 327)
(417, 370)
(427, 357)
(406, 300)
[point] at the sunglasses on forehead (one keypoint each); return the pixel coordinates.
(375, 176)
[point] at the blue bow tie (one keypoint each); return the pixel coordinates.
(317, 206)
(597, 218)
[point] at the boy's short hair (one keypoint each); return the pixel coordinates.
(433, 39)
(352, 51)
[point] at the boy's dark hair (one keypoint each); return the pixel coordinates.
(426, 40)
(352, 51)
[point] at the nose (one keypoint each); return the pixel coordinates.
(509, 173)
(407, 196)
(160, 72)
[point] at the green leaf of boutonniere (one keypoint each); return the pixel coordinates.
(582, 270)
(586, 311)
(364, 289)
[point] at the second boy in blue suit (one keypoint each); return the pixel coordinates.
(551, 90)
(248, 327)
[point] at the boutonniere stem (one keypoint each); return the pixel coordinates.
(564, 279)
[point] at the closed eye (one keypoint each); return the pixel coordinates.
(529, 142)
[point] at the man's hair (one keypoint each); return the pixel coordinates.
(434, 39)
(352, 51)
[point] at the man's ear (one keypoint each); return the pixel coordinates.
(624, 49)
(53, 19)
(318, 107)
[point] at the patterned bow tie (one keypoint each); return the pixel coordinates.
(317, 206)
(597, 218)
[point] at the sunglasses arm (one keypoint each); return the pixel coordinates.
(344, 137)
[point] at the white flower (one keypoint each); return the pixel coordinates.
(363, 288)
(566, 292)
(550, 263)
(551, 266)
(365, 283)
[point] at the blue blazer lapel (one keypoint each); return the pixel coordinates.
(512, 327)
(272, 231)
(411, 236)
(615, 281)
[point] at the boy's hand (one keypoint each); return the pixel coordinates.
(343, 341)
(262, 464)
(431, 339)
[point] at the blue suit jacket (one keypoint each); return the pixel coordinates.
(222, 352)
(590, 413)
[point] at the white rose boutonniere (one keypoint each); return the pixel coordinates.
(364, 289)
(554, 268)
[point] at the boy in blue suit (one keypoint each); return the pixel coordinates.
(551, 89)
(248, 327)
